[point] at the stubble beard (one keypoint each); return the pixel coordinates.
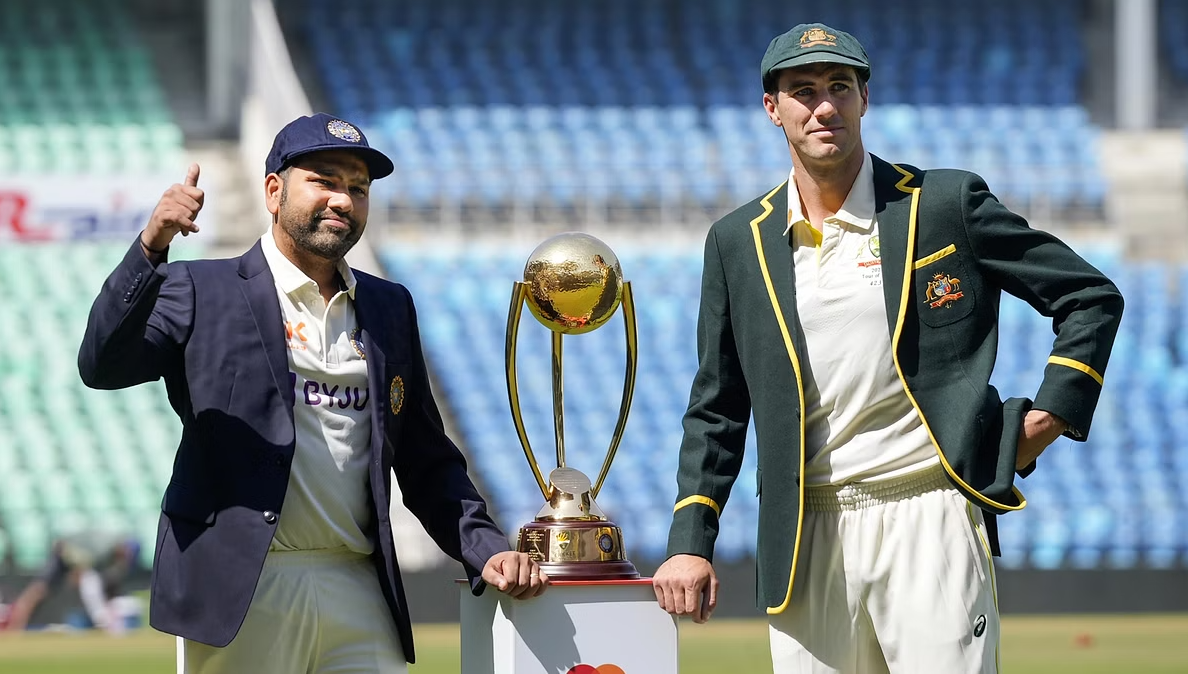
(309, 235)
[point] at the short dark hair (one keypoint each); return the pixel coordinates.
(772, 81)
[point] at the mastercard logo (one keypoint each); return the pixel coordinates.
(601, 669)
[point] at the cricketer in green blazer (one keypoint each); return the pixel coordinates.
(948, 249)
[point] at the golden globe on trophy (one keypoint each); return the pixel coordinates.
(572, 284)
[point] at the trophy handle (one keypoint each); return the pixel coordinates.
(628, 385)
(519, 294)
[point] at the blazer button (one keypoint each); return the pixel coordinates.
(269, 517)
(279, 460)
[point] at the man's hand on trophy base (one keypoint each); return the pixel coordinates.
(686, 585)
(515, 574)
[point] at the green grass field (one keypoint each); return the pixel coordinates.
(1031, 645)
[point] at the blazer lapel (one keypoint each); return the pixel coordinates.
(373, 352)
(775, 252)
(894, 195)
(259, 288)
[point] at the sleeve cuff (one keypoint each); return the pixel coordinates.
(1071, 394)
(694, 531)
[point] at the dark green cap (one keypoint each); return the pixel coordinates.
(813, 43)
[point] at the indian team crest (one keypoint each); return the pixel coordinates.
(357, 343)
(396, 395)
(343, 130)
(943, 290)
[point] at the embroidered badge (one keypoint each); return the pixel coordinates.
(943, 290)
(817, 36)
(396, 395)
(340, 129)
(357, 342)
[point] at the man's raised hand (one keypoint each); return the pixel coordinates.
(174, 213)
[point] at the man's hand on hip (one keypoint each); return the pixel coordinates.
(515, 574)
(687, 585)
(1040, 429)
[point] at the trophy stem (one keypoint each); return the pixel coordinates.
(558, 401)
(628, 385)
(519, 292)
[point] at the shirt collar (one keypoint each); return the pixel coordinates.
(289, 278)
(857, 211)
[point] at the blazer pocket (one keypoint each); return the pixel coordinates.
(929, 259)
(941, 295)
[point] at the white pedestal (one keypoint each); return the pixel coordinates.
(611, 627)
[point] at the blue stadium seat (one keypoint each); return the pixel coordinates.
(623, 76)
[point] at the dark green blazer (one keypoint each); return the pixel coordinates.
(948, 249)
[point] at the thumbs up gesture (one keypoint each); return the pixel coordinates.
(174, 213)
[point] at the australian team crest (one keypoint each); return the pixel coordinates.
(943, 290)
(396, 395)
(343, 130)
(817, 36)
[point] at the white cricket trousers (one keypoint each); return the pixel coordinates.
(314, 612)
(894, 577)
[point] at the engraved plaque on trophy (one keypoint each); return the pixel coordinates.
(572, 284)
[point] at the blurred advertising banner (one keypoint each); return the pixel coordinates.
(62, 208)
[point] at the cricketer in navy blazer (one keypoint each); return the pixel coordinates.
(212, 329)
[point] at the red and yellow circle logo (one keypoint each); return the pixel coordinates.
(600, 669)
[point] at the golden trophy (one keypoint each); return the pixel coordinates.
(573, 284)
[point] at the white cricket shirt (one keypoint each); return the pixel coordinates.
(860, 424)
(328, 503)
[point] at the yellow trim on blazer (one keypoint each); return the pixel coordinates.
(1077, 365)
(779, 314)
(943, 252)
(903, 305)
(703, 500)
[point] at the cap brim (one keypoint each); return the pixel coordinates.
(378, 164)
(818, 57)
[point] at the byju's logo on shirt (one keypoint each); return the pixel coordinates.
(320, 394)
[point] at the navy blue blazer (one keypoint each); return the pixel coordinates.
(213, 330)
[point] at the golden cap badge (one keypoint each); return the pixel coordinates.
(343, 130)
(817, 36)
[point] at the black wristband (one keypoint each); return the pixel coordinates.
(154, 251)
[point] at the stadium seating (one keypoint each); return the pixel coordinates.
(1117, 500)
(79, 93)
(660, 101)
(70, 458)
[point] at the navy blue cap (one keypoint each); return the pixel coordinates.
(323, 132)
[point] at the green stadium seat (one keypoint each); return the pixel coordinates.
(80, 457)
(91, 69)
(18, 494)
(30, 539)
